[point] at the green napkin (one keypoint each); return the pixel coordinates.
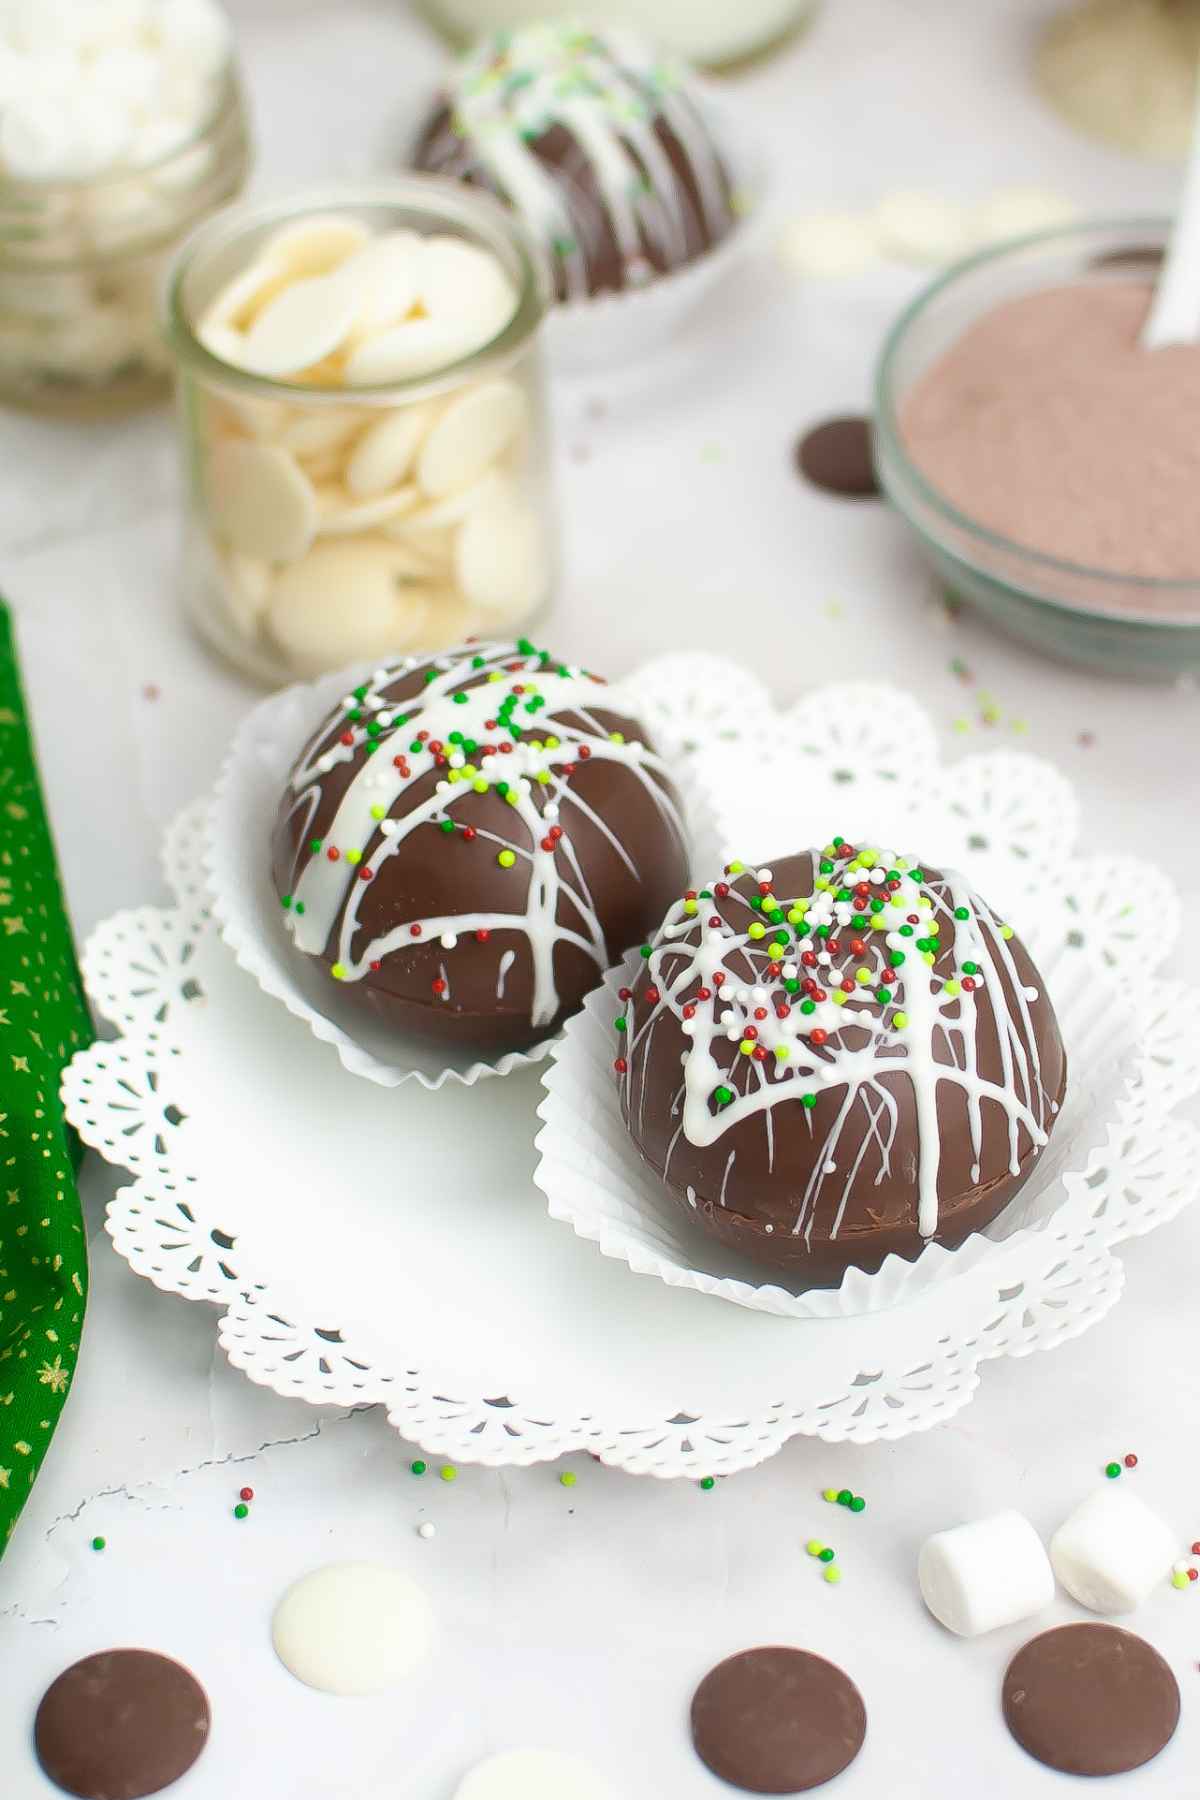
(43, 1020)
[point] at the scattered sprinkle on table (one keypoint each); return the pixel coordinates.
(1130, 1461)
(832, 1575)
(709, 1481)
(426, 1529)
(567, 1478)
(241, 1510)
(448, 1472)
(246, 1493)
(1112, 1470)
(418, 1467)
(99, 1543)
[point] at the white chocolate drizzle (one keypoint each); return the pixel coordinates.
(811, 1021)
(610, 94)
(532, 722)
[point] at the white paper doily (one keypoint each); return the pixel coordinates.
(390, 1247)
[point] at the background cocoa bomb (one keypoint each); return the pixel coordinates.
(523, 116)
(468, 842)
(833, 1060)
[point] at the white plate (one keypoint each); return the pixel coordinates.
(390, 1247)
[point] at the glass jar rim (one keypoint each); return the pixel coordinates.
(442, 201)
(228, 93)
(887, 422)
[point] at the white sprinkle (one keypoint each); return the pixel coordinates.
(389, 827)
(765, 875)
(876, 876)
(448, 940)
(427, 1529)
(550, 810)
(457, 760)
(768, 1228)
(325, 763)
(789, 971)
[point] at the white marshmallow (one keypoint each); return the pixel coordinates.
(1112, 1550)
(991, 1572)
(533, 1775)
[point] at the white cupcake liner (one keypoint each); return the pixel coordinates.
(237, 860)
(595, 1181)
(586, 334)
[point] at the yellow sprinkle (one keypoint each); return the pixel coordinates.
(879, 923)
(454, 775)
(962, 726)
(691, 906)
(513, 798)
(378, 812)
(338, 971)
(480, 786)
(821, 885)
(900, 1020)
(1006, 931)
(1180, 1580)
(933, 929)
(862, 976)
(833, 1574)
(928, 957)
(951, 989)
(506, 859)
(354, 856)
(782, 1052)
(552, 743)
(746, 1047)
(757, 930)
(815, 1547)
(495, 675)
(838, 998)
(543, 775)
(616, 737)
(469, 771)
(831, 1495)
(737, 868)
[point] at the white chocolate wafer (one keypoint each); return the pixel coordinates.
(262, 503)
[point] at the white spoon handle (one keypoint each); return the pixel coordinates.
(1175, 315)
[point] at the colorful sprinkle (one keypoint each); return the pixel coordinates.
(448, 1472)
(708, 1482)
(1112, 1470)
(418, 1467)
(99, 1543)
(241, 1511)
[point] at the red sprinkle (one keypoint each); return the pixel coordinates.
(620, 1065)
(246, 1494)
(721, 889)
(624, 993)
(1193, 1574)
(847, 987)
(482, 935)
(375, 967)
(333, 854)
(547, 843)
(968, 984)
(857, 947)
(715, 919)
(469, 833)
(760, 1054)
(760, 1012)
(653, 996)
(506, 749)
(1131, 1462)
(414, 931)
(585, 750)
(783, 1010)
(689, 1012)
(818, 1037)
(366, 874)
(751, 1032)
(438, 985)
(808, 959)
(704, 994)
(718, 979)
(1196, 1549)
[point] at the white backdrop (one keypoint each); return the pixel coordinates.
(583, 1618)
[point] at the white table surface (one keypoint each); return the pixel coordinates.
(583, 1618)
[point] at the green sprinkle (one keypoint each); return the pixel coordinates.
(621, 1024)
(792, 986)
(299, 906)
(1112, 1471)
(99, 1543)
(809, 1100)
(241, 1510)
(418, 1467)
(646, 951)
(970, 968)
(448, 1472)
(962, 912)
(896, 959)
(826, 1555)
(315, 846)
(844, 1497)
(808, 1006)
(883, 995)
(446, 825)
(460, 699)
(918, 875)
(286, 902)
(708, 1482)
(722, 1095)
(858, 1504)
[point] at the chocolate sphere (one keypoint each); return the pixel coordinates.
(840, 1058)
(467, 842)
(599, 143)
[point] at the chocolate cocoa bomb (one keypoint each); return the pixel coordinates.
(845, 1057)
(467, 842)
(598, 142)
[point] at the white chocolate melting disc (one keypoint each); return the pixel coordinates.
(340, 514)
(348, 599)
(383, 275)
(828, 245)
(313, 246)
(352, 1628)
(442, 515)
(384, 454)
(299, 328)
(262, 504)
(318, 433)
(417, 347)
(533, 1775)
(459, 282)
(922, 228)
(1018, 212)
(500, 556)
(472, 432)
(241, 299)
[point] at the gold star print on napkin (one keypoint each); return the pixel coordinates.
(43, 1021)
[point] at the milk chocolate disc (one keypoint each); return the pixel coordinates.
(777, 1721)
(121, 1724)
(836, 457)
(1090, 1700)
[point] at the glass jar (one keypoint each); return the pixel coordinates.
(713, 33)
(305, 548)
(81, 263)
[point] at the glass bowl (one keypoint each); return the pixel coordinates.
(1123, 624)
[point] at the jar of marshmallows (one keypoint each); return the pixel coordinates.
(121, 126)
(363, 425)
